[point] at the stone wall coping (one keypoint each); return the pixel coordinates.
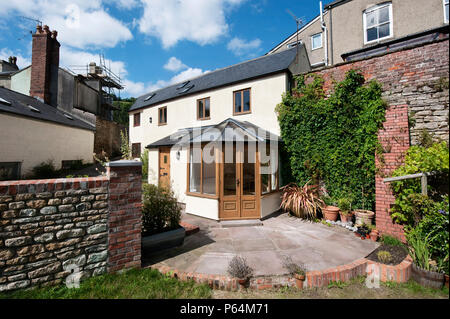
(53, 181)
(124, 163)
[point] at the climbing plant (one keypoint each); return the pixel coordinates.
(333, 140)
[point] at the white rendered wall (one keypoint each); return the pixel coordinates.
(270, 203)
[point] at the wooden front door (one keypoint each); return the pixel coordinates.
(239, 194)
(164, 166)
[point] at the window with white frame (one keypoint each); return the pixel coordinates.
(378, 23)
(316, 41)
(446, 11)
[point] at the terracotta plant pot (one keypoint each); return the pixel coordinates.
(446, 280)
(243, 283)
(374, 235)
(345, 218)
(364, 217)
(362, 237)
(299, 280)
(330, 213)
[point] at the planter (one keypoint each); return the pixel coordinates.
(243, 283)
(446, 280)
(427, 278)
(364, 217)
(374, 235)
(168, 239)
(330, 213)
(299, 280)
(346, 218)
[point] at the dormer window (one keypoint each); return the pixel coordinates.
(378, 23)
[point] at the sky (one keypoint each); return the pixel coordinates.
(153, 43)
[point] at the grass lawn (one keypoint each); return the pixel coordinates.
(151, 284)
(133, 284)
(355, 289)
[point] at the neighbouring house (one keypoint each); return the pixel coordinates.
(349, 29)
(6, 70)
(85, 96)
(33, 132)
(183, 124)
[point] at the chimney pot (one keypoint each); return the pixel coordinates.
(46, 29)
(38, 29)
(14, 60)
(10, 59)
(54, 34)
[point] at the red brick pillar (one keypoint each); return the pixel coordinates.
(125, 217)
(394, 139)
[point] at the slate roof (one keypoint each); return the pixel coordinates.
(19, 104)
(228, 130)
(265, 65)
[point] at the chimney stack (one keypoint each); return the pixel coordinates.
(45, 66)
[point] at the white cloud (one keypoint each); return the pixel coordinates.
(22, 61)
(242, 47)
(80, 23)
(174, 65)
(199, 21)
(126, 4)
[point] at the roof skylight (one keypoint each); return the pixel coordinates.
(186, 89)
(68, 116)
(149, 97)
(4, 101)
(32, 108)
(182, 85)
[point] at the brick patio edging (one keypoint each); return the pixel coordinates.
(399, 273)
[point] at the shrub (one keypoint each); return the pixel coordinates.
(239, 268)
(333, 139)
(345, 205)
(293, 268)
(390, 241)
(161, 211)
(125, 147)
(384, 256)
(44, 170)
(144, 160)
(303, 201)
(419, 250)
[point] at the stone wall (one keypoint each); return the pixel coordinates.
(107, 137)
(48, 228)
(415, 87)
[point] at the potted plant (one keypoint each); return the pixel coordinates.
(238, 268)
(298, 271)
(345, 206)
(424, 270)
(374, 234)
(363, 231)
(161, 217)
(363, 216)
(303, 202)
(329, 210)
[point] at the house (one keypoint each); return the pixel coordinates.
(33, 132)
(346, 30)
(210, 137)
(85, 96)
(6, 70)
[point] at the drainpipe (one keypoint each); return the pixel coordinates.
(325, 32)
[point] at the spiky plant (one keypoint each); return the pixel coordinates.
(302, 201)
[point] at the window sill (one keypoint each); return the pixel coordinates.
(377, 41)
(242, 113)
(162, 124)
(316, 48)
(203, 119)
(202, 195)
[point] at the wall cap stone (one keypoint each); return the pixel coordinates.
(124, 163)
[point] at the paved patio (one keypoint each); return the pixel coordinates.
(315, 245)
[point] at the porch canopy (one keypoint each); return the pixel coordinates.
(227, 131)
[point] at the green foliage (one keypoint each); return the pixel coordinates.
(120, 115)
(44, 170)
(418, 250)
(334, 140)
(345, 205)
(133, 284)
(303, 202)
(144, 160)
(161, 211)
(410, 206)
(337, 284)
(391, 241)
(125, 147)
(384, 256)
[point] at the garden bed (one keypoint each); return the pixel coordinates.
(398, 254)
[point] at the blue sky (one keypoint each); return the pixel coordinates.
(153, 43)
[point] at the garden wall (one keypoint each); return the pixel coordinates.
(50, 228)
(415, 87)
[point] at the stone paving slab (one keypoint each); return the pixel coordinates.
(315, 245)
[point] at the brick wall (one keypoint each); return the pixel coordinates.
(48, 227)
(415, 87)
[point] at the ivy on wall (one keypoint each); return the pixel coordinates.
(333, 140)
